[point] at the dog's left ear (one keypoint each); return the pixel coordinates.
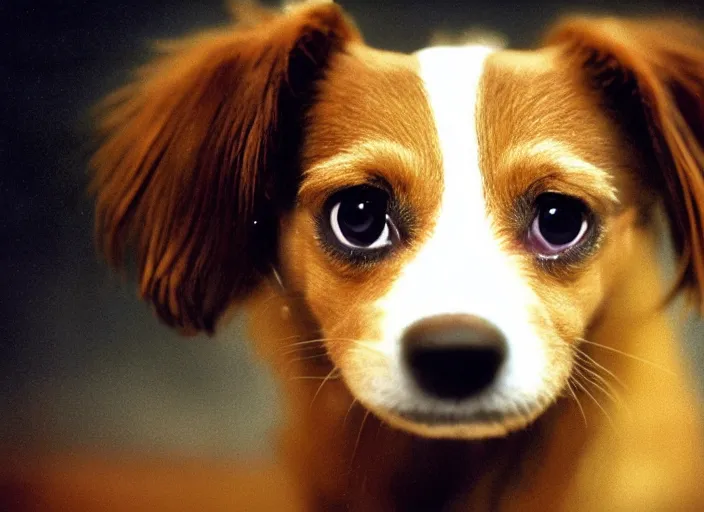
(649, 74)
(200, 157)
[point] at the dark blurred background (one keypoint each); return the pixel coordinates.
(84, 364)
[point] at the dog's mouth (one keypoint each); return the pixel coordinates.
(441, 419)
(462, 423)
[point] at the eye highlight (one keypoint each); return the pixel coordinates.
(357, 222)
(560, 223)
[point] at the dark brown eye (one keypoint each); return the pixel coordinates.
(560, 223)
(359, 218)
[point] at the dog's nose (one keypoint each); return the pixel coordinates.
(453, 356)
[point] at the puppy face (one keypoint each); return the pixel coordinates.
(426, 179)
(452, 220)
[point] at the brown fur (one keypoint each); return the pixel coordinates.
(194, 144)
(241, 126)
(664, 77)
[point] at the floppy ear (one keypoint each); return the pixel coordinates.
(200, 158)
(650, 74)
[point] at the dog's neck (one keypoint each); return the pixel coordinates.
(350, 460)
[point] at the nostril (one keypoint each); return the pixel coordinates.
(454, 356)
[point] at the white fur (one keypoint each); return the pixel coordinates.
(292, 5)
(461, 268)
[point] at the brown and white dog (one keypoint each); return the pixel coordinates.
(448, 257)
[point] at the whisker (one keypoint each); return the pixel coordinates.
(626, 354)
(318, 341)
(593, 369)
(300, 350)
(285, 338)
(592, 372)
(581, 353)
(294, 360)
(359, 437)
(349, 410)
(579, 404)
(598, 404)
(299, 344)
(605, 387)
(313, 377)
(589, 376)
(322, 340)
(327, 377)
(331, 341)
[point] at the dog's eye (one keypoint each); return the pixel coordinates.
(560, 223)
(359, 218)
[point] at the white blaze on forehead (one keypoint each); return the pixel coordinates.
(462, 268)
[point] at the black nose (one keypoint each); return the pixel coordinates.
(453, 356)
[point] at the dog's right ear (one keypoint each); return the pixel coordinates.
(200, 153)
(649, 74)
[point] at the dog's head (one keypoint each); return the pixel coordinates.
(453, 219)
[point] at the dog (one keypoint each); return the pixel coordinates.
(449, 258)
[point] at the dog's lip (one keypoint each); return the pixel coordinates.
(484, 415)
(479, 424)
(436, 418)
